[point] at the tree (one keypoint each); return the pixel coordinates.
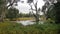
(57, 9)
(12, 13)
(47, 8)
(4, 8)
(53, 10)
(36, 9)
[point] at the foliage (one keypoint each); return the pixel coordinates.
(4, 7)
(57, 9)
(54, 13)
(29, 1)
(25, 15)
(15, 28)
(12, 13)
(51, 13)
(53, 10)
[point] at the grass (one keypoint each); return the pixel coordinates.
(21, 18)
(15, 28)
(26, 18)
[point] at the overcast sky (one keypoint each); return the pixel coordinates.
(24, 7)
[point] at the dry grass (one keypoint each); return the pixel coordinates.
(25, 18)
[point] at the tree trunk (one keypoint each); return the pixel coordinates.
(2, 15)
(37, 17)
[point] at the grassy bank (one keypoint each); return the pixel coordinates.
(21, 18)
(14, 28)
(25, 18)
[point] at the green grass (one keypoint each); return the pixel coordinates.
(15, 28)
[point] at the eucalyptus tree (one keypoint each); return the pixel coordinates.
(53, 10)
(48, 6)
(37, 10)
(57, 11)
(4, 7)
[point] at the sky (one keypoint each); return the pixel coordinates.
(24, 7)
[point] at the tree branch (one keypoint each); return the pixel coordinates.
(11, 4)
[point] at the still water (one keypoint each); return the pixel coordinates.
(28, 22)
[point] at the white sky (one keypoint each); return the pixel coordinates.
(24, 7)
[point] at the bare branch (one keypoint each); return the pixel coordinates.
(11, 4)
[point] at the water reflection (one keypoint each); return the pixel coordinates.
(28, 22)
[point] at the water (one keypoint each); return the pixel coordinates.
(28, 22)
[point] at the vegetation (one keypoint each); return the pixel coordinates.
(25, 18)
(53, 10)
(4, 7)
(51, 17)
(25, 15)
(57, 15)
(37, 10)
(12, 13)
(15, 28)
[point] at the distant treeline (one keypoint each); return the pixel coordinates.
(25, 15)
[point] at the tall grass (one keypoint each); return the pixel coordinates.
(15, 28)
